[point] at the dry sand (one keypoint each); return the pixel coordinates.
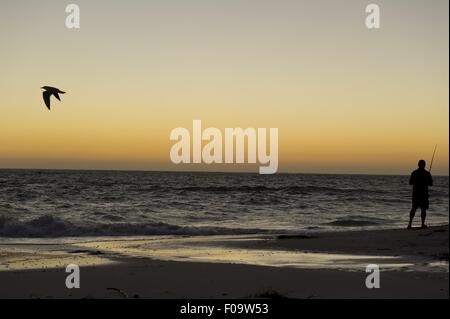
(414, 264)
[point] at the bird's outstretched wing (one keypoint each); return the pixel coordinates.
(57, 96)
(46, 95)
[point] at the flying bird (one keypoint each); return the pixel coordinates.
(49, 91)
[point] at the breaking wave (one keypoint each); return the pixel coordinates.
(48, 226)
(356, 221)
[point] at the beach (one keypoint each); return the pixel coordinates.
(413, 264)
(222, 151)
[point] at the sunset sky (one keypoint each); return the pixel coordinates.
(344, 98)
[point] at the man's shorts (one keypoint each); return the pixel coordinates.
(423, 203)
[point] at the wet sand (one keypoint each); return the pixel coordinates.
(413, 264)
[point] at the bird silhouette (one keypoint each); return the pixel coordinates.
(49, 91)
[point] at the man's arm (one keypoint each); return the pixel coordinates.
(411, 179)
(430, 180)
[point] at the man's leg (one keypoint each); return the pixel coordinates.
(411, 215)
(424, 216)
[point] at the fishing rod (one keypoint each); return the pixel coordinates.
(432, 158)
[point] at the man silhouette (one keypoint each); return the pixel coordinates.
(420, 179)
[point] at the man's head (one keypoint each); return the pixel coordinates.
(422, 164)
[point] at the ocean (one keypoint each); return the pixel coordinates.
(53, 204)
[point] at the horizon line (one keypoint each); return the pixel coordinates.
(198, 171)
